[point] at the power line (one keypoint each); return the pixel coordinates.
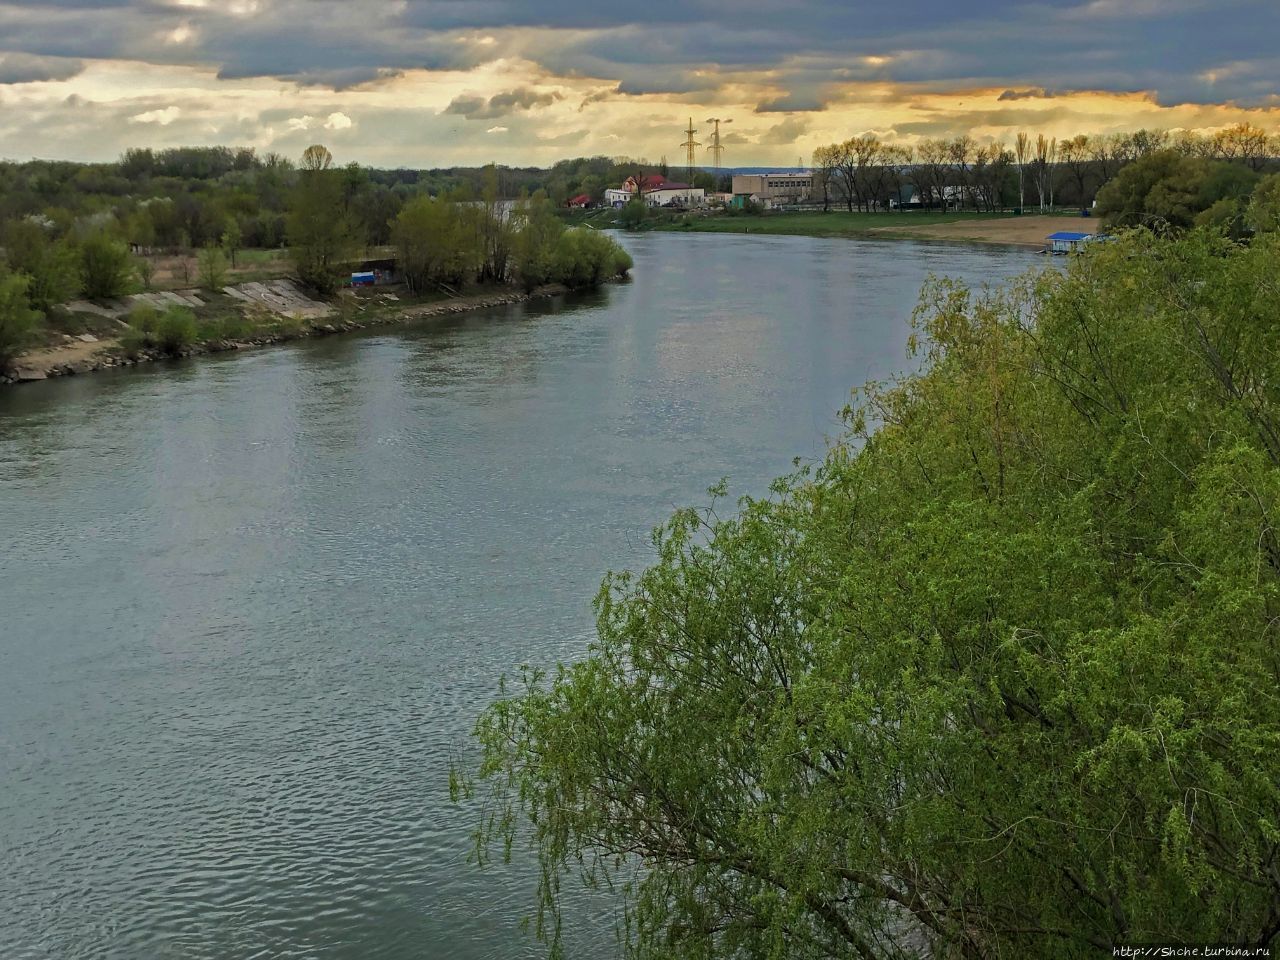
(716, 148)
(691, 147)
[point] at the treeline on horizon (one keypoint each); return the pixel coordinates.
(868, 173)
(186, 197)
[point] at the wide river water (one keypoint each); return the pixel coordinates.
(251, 605)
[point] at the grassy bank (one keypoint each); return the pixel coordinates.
(1028, 230)
(834, 223)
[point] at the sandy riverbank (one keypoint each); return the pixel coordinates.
(960, 227)
(79, 357)
(1028, 231)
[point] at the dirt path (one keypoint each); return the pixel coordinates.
(1023, 231)
(36, 364)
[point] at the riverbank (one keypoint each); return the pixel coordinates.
(1027, 231)
(81, 356)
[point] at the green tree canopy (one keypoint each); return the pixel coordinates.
(538, 230)
(106, 268)
(17, 319)
(49, 264)
(1264, 207)
(437, 242)
(321, 235)
(999, 677)
(1175, 189)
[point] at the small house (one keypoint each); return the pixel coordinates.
(1067, 242)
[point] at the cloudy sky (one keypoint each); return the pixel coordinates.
(437, 82)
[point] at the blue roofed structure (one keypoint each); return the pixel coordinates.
(1066, 241)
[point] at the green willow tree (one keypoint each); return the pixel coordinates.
(538, 231)
(437, 243)
(106, 268)
(1000, 677)
(17, 319)
(50, 265)
(321, 234)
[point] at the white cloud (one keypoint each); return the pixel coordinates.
(300, 123)
(181, 34)
(162, 117)
(497, 130)
(338, 121)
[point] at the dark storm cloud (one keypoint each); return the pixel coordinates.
(25, 68)
(1179, 50)
(500, 105)
(1038, 93)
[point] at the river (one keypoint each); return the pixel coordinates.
(251, 604)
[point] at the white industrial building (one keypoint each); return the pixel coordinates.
(658, 191)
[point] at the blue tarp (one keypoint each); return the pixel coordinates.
(1071, 236)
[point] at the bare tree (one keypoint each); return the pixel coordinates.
(960, 153)
(1022, 152)
(316, 157)
(865, 151)
(1243, 142)
(885, 174)
(847, 172)
(1045, 158)
(1077, 156)
(990, 165)
(824, 171)
(1192, 144)
(1104, 151)
(932, 172)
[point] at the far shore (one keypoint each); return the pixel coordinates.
(1006, 229)
(78, 357)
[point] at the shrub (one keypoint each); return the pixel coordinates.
(586, 258)
(170, 331)
(633, 215)
(17, 319)
(176, 330)
(106, 268)
(213, 268)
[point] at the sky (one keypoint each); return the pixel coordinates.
(435, 83)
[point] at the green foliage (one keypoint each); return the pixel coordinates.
(1228, 216)
(535, 242)
(633, 215)
(437, 242)
(146, 271)
(321, 235)
(1166, 187)
(106, 268)
(213, 268)
(17, 318)
(48, 264)
(998, 678)
(586, 258)
(170, 331)
(232, 240)
(1264, 209)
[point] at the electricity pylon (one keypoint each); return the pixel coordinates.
(691, 150)
(716, 147)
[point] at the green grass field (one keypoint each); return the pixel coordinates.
(836, 223)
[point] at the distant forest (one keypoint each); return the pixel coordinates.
(867, 173)
(189, 197)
